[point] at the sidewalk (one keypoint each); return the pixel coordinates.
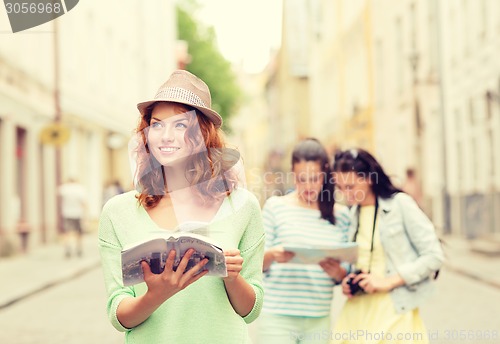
(43, 267)
(462, 256)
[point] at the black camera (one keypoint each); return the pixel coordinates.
(354, 286)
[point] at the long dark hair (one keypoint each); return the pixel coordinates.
(365, 165)
(311, 149)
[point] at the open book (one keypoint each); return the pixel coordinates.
(345, 252)
(155, 250)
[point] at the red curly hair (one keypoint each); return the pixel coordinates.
(202, 168)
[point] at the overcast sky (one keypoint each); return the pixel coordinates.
(246, 30)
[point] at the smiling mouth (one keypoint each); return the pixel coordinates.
(169, 149)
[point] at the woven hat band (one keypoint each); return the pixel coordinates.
(180, 94)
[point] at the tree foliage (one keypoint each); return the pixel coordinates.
(207, 62)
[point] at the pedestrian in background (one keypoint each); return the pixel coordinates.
(399, 253)
(412, 186)
(298, 296)
(73, 207)
(112, 189)
(182, 175)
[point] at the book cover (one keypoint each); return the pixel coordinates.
(344, 252)
(156, 248)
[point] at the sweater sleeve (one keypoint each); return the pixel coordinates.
(252, 250)
(110, 251)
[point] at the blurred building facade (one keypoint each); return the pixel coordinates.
(341, 76)
(249, 131)
(408, 114)
(106, 65)
(415, 82)
(470, 41)
(287, 87)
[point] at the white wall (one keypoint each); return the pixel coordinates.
(112, 55)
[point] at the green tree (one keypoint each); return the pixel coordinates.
(207, 62)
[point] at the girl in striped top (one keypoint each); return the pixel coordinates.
(298, 296)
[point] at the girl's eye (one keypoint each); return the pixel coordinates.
(156, 125)
(181, 125)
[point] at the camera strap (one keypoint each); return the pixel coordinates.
(373, 231)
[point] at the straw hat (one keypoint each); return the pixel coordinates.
(185, 88)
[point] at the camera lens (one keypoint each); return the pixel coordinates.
(354, 286)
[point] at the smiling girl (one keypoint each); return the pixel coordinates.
(184, 174)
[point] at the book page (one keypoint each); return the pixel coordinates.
(345, 252)
(153, 252)
(156, 249)
(216, 265)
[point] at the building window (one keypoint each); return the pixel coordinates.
(380, 78)
(454, 47)
(465, 26)
(458, 141)
(2, 158)
(471, 112)
(484, 19)
(460, 171)
(399, 55)
(21, 172)
(432, 37)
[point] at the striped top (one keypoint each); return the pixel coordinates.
(299, 289)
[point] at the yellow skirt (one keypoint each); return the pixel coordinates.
(372, 319)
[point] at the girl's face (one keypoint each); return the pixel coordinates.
(309, 179)
(166, 135)
(353, 187)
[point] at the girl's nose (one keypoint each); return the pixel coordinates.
(168, 133)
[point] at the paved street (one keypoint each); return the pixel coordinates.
(463, 311)
(69, 313)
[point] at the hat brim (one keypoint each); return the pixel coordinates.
(212, 115)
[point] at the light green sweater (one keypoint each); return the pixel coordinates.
(201, 313)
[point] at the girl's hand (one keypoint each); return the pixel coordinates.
(355, 278)
(163, 286)
(280, 255)
(234, 264)
(346, 289)
(373, 283)
(332, 268)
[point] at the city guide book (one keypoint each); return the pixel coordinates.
(344, 252)
(155, 249)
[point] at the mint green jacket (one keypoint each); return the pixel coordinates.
(411, 247)
(201, 313)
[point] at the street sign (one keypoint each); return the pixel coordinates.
(55, 134)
